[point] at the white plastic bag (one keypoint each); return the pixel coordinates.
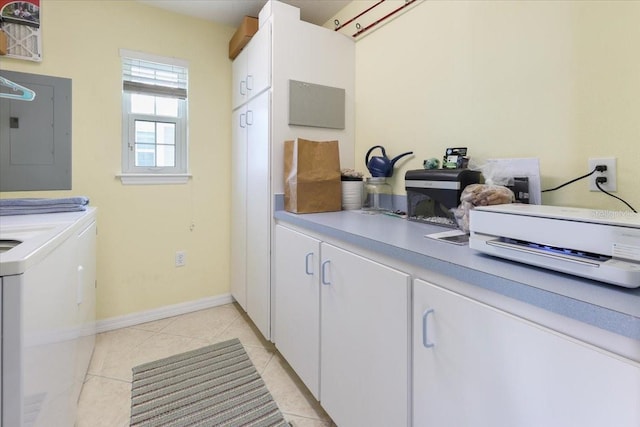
(492, 192)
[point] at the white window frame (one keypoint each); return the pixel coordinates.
(132, 174)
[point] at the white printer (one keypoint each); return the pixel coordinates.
(597, 244)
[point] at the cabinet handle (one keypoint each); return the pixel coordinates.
(425, 339)
(243, 120)
(306, 263)
(324, 272)
(249, 82)
(249, 117)
(243, 87)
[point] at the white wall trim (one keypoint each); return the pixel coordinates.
(153, 179)
(161, 313)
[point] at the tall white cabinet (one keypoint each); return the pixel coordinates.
(284, 48)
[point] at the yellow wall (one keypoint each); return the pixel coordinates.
(141, 227)
(555, 80)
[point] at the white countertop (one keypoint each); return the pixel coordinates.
(610, 307)
(39, 234)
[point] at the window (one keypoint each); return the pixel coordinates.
(154, 119)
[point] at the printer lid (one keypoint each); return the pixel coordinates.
(616, 218)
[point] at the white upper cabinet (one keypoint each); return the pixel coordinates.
(251, 69)
(239, 79)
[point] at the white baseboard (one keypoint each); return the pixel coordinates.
(161, 313)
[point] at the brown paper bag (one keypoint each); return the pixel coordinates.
(312, 176)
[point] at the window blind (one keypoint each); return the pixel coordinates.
(154, 78)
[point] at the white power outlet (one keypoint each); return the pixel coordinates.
(611, 184)
(181, 258)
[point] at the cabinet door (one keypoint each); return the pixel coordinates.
(251, 69)
(297, 304)
(239, 207)
(259, 61)
(364, 341)
(239, 79)
(478, 366)
(258, 214)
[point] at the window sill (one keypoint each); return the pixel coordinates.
(153, 179)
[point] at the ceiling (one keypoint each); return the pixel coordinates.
(231, 12)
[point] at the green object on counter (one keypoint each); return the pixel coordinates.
(431, 163)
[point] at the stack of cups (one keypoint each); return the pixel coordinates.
(352, 193)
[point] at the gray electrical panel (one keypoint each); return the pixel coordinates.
(316, 105)
(35, 135)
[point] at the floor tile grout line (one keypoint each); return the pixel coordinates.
(174, 334)
(228, 326)
(138, 343)
(162, 330)
(174, 318)
(326, 420)
(199, 337)
(265, 365)
(177, 316)
(104, 377)
(169, 320)
(306, 417)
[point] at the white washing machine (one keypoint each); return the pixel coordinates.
(48, 315)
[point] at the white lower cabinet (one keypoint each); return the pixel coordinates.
(474, 365)
(376, 354)
(364, 341)
(342, 322)
(297, 304)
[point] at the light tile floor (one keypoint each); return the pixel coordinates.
(106, 395)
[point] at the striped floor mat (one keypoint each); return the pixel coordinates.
(215, 385)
